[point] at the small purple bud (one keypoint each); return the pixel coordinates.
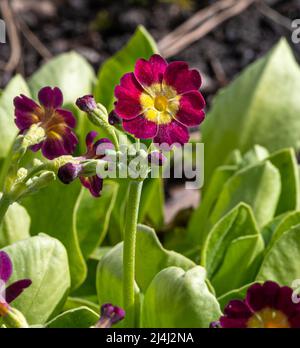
(215, 325)
(110, 315)
(157, 158)
(86, 103)
(69, 172)
(113, 118)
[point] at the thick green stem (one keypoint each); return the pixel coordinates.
(131, 219)
(4, 205)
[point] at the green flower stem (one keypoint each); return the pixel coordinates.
(131, 219)
(4, 205)
(14, 319)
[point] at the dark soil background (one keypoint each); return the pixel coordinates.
(99, 28)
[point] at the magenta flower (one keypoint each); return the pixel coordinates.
(12, 291)
(56, 122)
(160, 100)
(266, 306)
(95, 150)
(110, 315)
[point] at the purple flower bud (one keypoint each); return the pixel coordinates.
(157, 158)
(110, 315)
(113, 118)
(69, 172)
(86, 103)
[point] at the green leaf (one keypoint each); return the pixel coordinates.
(78, 318)
(197, 227)
(93, 217)
(151, 257)
(258, 186)
(15, 225)
(43, 260)
(243, 254)
(141, 45)
(75, 302)
(281, 263)
(179, 299)
(8, 129)
(286, 162)
(109, 281)
(268, 230)
(53, 211)
(239, 222)
(260, 107)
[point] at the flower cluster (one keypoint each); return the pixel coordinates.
(10, 293)
(266, 305)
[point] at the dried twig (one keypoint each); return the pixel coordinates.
(13, 35)
(203, 29)
(275, 16)
(33, 39)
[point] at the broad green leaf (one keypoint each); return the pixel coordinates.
(15, 225)
(78, 318)
(290, 220)
(68, 71)
(197, 229)
(178, 299)
(141, 45)
(239, 222)
(43, 260)
(151, 257)
(109, 281)
(268, 230)
(281, 263)
(152, 203)
(53, 211)
(253, 156)
(260, 107)
(240, 264)
(93, 217)
(8, 129)
(236, 294)
(75, 302)
(286, 162)
(258, 186)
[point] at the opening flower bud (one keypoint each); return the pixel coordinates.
(110, 315)
(113, 118)
(86, 103)
(69, 172)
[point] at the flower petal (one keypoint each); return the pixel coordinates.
(5, 266)
(93, 183)
(295, 321)
(89, 139)
(140, 127)
(128, 97)
(59, 145)
(16, 288)
(150, 71)
(237, 309)
(229, 323)
(51, 97)
(68, 117)
(172, 133)
(26, 112)
(36, 147)
(284, 301)
(190, 111)
(255, 297)
(181, 78)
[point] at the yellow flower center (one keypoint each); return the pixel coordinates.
(160, 103)
(268, 318)
(3, 309)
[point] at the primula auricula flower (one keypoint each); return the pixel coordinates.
(160, 100)
(266, 306)
(12, 291)
(110, 315)
(95, 150)
(56, 122)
